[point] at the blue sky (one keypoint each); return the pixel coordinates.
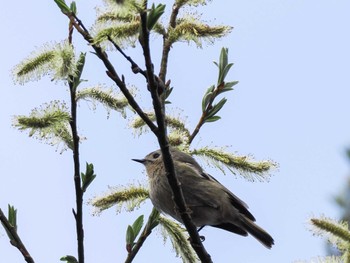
(291, 105)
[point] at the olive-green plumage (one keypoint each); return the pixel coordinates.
(210, 202)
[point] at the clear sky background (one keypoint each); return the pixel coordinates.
(291, 105)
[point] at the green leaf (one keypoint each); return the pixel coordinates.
(137, 225)
(224, 72)
(217, 107)
(153, 219)
(130, 236)
(154, 14)
(12, 219)
(212, 119)
(88, 177)
(133, 231)
(73, 7)
(223, 65)
(228, 86)
(205, 100)
(80, 66)
(63, 6)
(223, 57)
(167, 93)
(207, 97)
(69, 259)
(12, 216)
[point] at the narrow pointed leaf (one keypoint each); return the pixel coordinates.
(205, 100)
(153, 219)
(73, 7)
(63, 6)
(12, 219)
(225, 71)
(223, 58)
(207, 96)
(217, 107)
(80, 67)
(223, 61)
(212, 119)
(69, 259)
(154, 15)
(137, 225)
(229, 85)
(12, 216)
(88, 176)
(130, 236)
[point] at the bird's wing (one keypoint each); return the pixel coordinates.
(199, 174)
(240, 205)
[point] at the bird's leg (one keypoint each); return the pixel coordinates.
(201, 237)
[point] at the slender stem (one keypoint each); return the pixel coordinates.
(167, 44)
(159, 131)
(147, 230)
(78, 214)
(145, 233)
(111, 72)
(196, 130)
(16, 240)
(134, 67)
(206, 112)
(164, 145)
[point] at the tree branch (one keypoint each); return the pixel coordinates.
(167, 44)
(111, 72)
(16, 241)
(134, 67)
(206, 112)
(159, 131)
(78, 214)
(164, 145)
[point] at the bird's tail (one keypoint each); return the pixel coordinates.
(257, 232)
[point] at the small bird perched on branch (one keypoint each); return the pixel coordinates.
(210, 202)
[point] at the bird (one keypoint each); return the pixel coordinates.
(210, 203)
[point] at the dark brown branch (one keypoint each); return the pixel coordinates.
(111, 72)
(167, 44)
(206, 112)
(159, 131)
(16, 241)
(164, 145)
(78, 214)
(134, 67)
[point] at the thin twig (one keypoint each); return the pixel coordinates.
(134, 67)
(206, 112)
(167, 44)
(145, 233)
(162, 138)
(16, 241)
(147, 230)
(164, 145)
(111, 72)
(78, 214)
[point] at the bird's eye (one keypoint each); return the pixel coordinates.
(155, 155)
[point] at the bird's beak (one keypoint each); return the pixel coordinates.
(139, 160)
